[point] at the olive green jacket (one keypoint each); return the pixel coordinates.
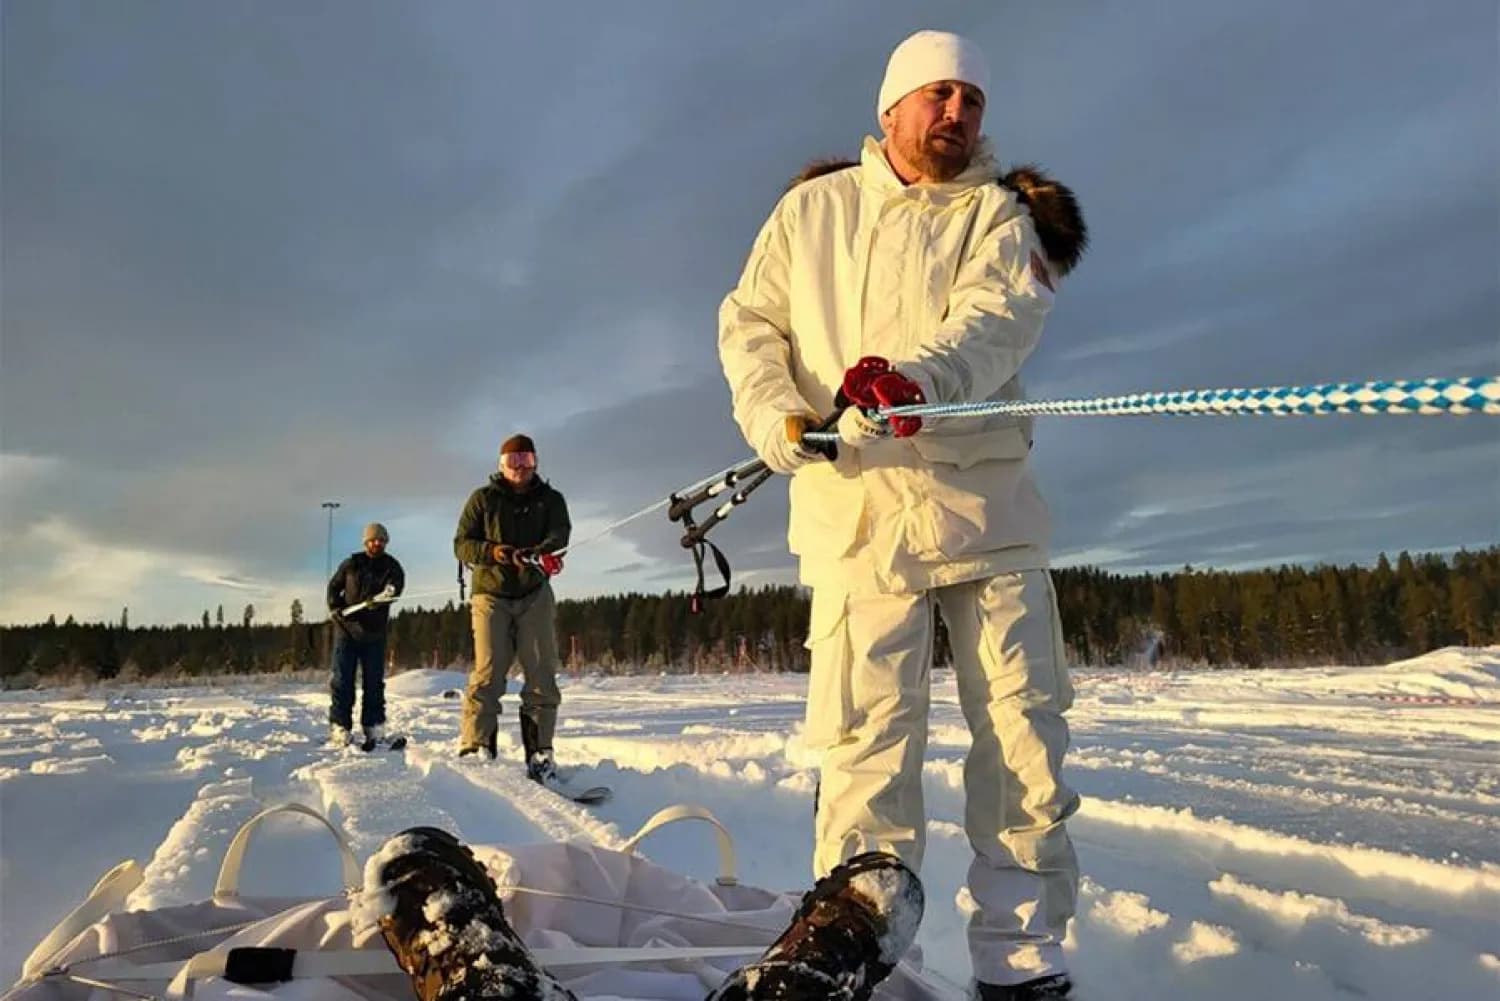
(536, 519)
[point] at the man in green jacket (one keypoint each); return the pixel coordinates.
(510, 533)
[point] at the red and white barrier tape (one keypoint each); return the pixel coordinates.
(1426, 700)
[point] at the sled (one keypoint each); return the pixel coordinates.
(609, 924)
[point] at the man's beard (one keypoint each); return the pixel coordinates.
(940, 162)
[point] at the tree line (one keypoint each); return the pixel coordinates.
(1286, 616)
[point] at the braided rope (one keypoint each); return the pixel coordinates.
(1412, 396)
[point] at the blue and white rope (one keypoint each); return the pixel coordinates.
(1411, 396)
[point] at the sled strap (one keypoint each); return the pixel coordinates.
(270, 965)
(586, 955)
(107, 895)
(253, 964)
(689, 811)
(228, 885)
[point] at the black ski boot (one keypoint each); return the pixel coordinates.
(1040, 989)
(539, 765)
(847, 936)
(446, 926)
(540, 768)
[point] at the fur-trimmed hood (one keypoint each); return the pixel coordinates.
(1054, 208)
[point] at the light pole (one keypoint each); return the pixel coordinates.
(327, 637)
(328, 561)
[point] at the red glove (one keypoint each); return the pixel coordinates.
(857, 381)
(871, 383)
(895, 390)
(549, 564)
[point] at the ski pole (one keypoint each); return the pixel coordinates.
(530, 560)
(360, 606)
(752, 472)
(682, 505)
(607, 529)
(694, 533)
(1469, 395)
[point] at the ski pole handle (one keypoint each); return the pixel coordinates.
(682, 504)
(817, 440)
(695, 533)
(754, 471)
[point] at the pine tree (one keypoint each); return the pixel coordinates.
(1282, 616)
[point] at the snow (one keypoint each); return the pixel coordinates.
(892, 893)
(1308, 834)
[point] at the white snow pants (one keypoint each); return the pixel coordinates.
(868, 698)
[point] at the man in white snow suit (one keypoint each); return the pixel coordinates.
(359, 637)
(509, 533)
(919, 275)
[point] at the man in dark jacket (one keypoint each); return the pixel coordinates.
(359, 637)
(509, 533)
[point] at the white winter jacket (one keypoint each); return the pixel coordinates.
(950, 283)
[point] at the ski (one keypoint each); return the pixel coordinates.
(586, 795)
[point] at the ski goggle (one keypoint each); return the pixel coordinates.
(518, 460)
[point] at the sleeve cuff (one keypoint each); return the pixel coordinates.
(919, 375)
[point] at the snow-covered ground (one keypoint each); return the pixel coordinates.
(1321, 833)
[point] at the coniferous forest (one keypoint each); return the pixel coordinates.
(1288, 616)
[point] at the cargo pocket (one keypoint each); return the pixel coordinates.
(829, 700)
(1063, 678)
(1020, 628)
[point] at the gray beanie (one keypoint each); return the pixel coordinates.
(375, 530)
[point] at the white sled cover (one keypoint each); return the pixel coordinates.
(610, 924)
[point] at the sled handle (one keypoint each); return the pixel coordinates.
(107, 895)
(228, 885)
(690, 811)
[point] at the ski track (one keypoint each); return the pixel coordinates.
(1273, 835)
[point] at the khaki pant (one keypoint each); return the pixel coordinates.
(868, 697)
(507, 629)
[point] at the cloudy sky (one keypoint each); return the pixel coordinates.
(258, 256)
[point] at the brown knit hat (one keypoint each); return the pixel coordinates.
(517, 443)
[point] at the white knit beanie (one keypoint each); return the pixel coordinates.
(929, 56)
